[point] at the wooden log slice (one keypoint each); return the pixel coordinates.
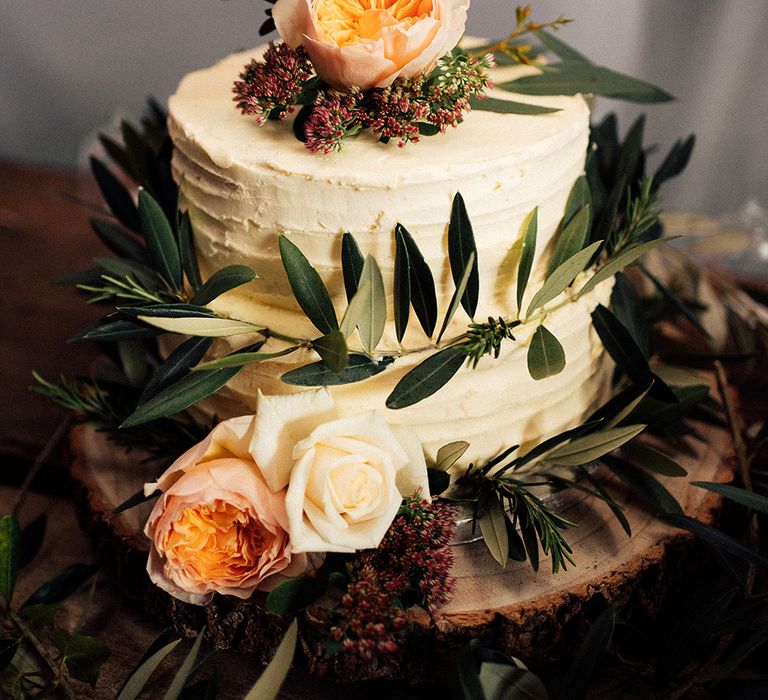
(534, 616)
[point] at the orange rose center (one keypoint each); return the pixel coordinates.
(348, 22)
(216, 541)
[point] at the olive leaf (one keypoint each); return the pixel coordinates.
(402, 286)
(206, 326)
(561, 278)
(187, 251)
(493, 104)
(420, 281)
(308, 287)
(161, 243)
(461, 243)
(61, 585)
(618, 263)
(180, 395)
(333, 350)
(546, 356)
(359, 367)
(178, 363)
(115, 194)
(185, 670)
(222, 281)
(10, 548)
(493, 527)
(351, 264)
(527, 253)
(120, 243)
(574, 77)
(652, 459)
(449, 454)
(593, 446)
(645, 485)
(427, 378)
(274, 675)
(458, 293)
(240, 359)
(139, 677)
(368, 308)
(572, 238)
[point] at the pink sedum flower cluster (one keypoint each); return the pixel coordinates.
(270, 88)
(411, 566)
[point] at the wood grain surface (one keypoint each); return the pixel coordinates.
(534, 616)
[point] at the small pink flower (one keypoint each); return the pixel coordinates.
(367, 44)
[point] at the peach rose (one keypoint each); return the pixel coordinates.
(217, 526)
(346, 477)
(369, 43)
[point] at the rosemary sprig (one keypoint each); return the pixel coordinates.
(642, 214)
(125, 288)
(487, 338)
(106, 410)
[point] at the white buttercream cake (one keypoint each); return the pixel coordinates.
(245, 185)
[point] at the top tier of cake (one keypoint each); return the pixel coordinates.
(246, 184)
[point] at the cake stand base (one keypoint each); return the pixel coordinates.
(533, 616)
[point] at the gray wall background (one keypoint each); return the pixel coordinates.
(69, 68)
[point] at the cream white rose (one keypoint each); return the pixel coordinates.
(370, 43)
(346, 477)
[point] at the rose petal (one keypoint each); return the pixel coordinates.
(361, 65)
(282, 421)
(292, 19)
(230, 437)
(413, 476)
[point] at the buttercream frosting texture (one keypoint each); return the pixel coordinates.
(245, 185)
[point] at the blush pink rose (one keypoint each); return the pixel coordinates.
(368, 43)
(217, 527)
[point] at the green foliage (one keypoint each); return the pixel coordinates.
(575, 681)
(295, 594)
(308, 287)
(368, 307)
(562, 277)
(333, 351)
(161, 242)
(420, 286)
(493, 526)
(427, 378)
(487, 338)
(461, 245)
(180, 395)
(493, 104)
(269, 683)
(82, 655)
(62, 585)
(185, 671)
(458, 294)
(359, 368)
(222, 281)
(527, 254)
(352, 262)
(10, 547)
(546, 356)
(139, 676)
(574, 77)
